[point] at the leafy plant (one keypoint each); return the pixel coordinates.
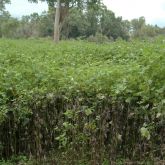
(81, 102)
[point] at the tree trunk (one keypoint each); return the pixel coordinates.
(57, 23)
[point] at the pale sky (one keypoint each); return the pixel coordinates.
(152, 10)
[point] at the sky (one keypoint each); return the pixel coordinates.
(152, 10)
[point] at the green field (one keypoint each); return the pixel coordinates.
(103, 101)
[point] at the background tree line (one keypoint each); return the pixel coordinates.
(91, 20)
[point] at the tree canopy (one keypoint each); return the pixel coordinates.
(2, 4)
(62, 10)
(83, 19)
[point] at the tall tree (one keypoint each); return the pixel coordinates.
(62, 10)
(57, 22)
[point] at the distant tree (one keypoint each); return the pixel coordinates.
(2, 5)
(75, 25)
(95, 20)
(3, 14)
(138, 26)
(62, 10)
(112, 26)
(92, 16)
(8, 25)
(150, 31)
(46, 24)
(29, 26)
(141, 30)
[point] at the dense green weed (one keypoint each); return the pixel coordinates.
(78, 85)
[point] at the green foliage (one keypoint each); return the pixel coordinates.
(8, 27)
(2, 5)
(139, 29)
(145, 133)
(111, 68)
(91, 20)
(15, 160)
(82, 101)
(98, 38)
(75, 25)
(112, 26)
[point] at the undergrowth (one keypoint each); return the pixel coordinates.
(82, 103)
